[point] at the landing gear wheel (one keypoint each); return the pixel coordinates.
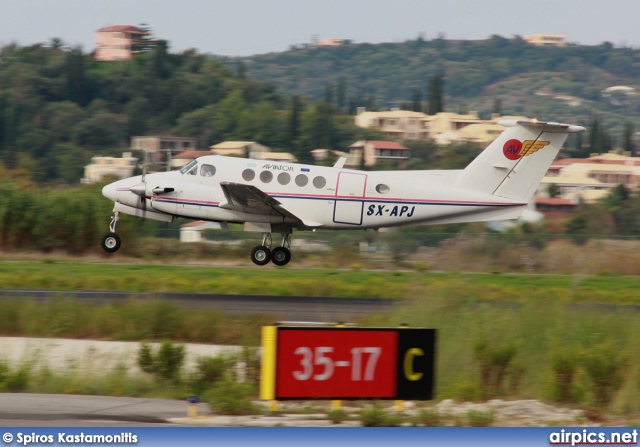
(110, 242)
(260, 255)
(281, 256)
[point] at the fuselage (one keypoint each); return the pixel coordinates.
(314, 196)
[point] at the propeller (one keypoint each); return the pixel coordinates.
(141, 190)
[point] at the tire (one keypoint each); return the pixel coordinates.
(111, 242)
(280, 256)
(260, 255)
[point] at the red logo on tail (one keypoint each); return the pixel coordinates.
(512, 149)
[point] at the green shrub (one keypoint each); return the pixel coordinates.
(337, 416)
(605, 366)
(232, 398)
(429, 418)
(479, 418)
(209, 370)
(496, 367)
(165, 364)
(564, 366)
(376, 416)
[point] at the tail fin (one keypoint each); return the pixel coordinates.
(514, 164)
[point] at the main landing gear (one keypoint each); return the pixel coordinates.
(111, 241)
(262, 254)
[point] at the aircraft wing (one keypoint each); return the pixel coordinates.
(249, 199)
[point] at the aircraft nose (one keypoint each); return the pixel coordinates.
(109, 191)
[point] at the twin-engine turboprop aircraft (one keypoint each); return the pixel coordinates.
(271, 197)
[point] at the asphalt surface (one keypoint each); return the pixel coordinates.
(56, 409)
(288, 308)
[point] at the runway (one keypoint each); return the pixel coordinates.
(282, 308)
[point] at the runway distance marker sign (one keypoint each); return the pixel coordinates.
(348, 363)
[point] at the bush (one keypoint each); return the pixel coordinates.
(428, 418)
(15, 381)
(209, 370)
(564, 367)
(605, 367)
(478, 418)
(376, 416)
(337, 416)
(165, 364)
(495, 367)
(231, 398)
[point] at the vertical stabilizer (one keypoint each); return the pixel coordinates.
(515, 163)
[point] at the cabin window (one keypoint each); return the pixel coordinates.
(266, 176)
(302, 180)
(188, 166)
(284, 178)
(248, 175)
(207, 170)
(319, 182)
(382, 188)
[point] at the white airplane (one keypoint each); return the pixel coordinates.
(273, 197)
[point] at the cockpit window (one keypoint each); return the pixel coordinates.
(188, 166)
(207, 170)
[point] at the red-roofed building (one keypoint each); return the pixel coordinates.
(115, 43)
(373, 152)
(556, 207)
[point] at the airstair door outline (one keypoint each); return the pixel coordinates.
(348, 209)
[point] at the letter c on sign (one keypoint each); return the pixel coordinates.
(409, 373)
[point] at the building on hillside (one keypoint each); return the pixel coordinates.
(480, 133)
(444, 127)
(275, 156)
(101, 167)
(115, 43)
(332, 42)
(619, 95)
(373, 152)
(556, 207)
(328, 157)
(161, 149)
(590, 179)
(397, 124)
(546, 40)
(238, 148)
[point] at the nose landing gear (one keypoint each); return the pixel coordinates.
(262, 254)
(111, 241)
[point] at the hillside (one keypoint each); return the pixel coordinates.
(523, 78)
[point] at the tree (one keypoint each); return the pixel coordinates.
(341, 94)
(76, 83)
(627, 140)
(553, 191)
(436, 87)
(241, 70)
(293, 127)
(417, 100)
(328, 94)
(143, 42)
(497, 106)
(230, 110)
